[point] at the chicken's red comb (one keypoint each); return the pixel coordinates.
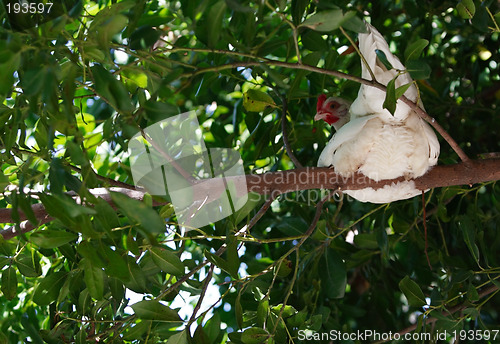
(321, 100)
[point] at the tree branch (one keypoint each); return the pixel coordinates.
(284, 131)
(43, 217)
(306, 178)
(372, 83)
(476, 171)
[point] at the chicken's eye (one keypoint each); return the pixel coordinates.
(332, 106)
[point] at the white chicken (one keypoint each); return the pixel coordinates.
(372, 141)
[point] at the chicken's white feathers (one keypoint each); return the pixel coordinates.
(370, 99)
(376, 143)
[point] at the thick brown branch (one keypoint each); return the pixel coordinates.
(277, 183)
(43, 217)
(476, 171)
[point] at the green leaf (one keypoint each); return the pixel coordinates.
(287, 312)
(52, 238)
(327, 20)
(137, 280)
(75, 152)
(418, 69)
(115, 264)
(355, 24)
(252, 202)
(137, 330)
(110, 27)
(3, 338)
(132, 245)
(233, 261)
(144, 37)
(117, 288)
(238, 310)
(413, 51)
(9, 283)
(167, 261)
(412, 291)
(106, 215)
(48, 289)
(292, 226)
(109, 21)
(285, 268)
(472, 294)
(497, 17)
(154, 310)
(466, 9)
(390, 97)
(56, 177)
(9, 63)
(81, 336)
(94, 278)
(402, 89)
(212, 328)
(112, 90)
(157, 111)
(28, 264)
(138, 212)
(469, 233)
(298, 9)
(262, 312)
(214, 22)
(178, 338)
(381, 56)
(334, 274)
(366, 241)
(481, 19)
(38, 81)
(221, 263)
(89, 251)
(257, 101)
(64, 207)
(24, 202)
(4, 261)
(314, 41)
(4, 181)
(254, 335)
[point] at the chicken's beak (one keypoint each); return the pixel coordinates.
(320, 116)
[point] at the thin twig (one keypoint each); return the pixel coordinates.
(260, 213)
(202, 295)
(372, 83)
(307, 234)
(424, 220)
(292, 26)
(284, 130)
(184, 278)
(363, 60)
(107, 180)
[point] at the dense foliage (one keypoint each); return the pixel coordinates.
(78, 83)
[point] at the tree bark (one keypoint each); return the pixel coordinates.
(277, 183)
